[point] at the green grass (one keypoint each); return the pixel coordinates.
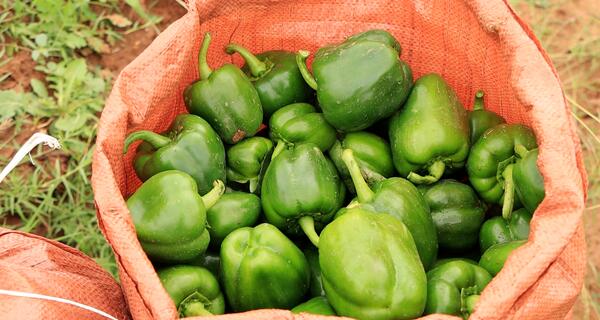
(55, 198)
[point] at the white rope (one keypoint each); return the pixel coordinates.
(34, 140)
(56, 299)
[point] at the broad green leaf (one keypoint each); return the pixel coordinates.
(39, 88)
(73, 41)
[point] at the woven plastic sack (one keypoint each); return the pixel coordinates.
(45, 279)
(473, 44)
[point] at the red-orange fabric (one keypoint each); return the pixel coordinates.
(473, 44)
(33, 264)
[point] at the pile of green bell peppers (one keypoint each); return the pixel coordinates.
(341, 188)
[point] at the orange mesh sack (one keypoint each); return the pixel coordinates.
(473, 44)
(45, 279)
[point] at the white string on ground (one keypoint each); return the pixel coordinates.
(56, 299)
(32, 142)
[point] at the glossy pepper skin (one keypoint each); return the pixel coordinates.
(431, 132)
(275, 76)
(316, 282)
(371, 152)
(316, 305)
(189, 145)
(301, 189)
(194, 290)
(262, 268)
(377, 35)
(399, 198)
(450, 285)
(170, 216)
(356, 244)
(480, 120)
(491, 161)
(352, 103)
(247, 159)
(529, 183)
(232, 211)
(225, 98)
(301, 123)
(494, 257)
(457, 214)
(499, 230)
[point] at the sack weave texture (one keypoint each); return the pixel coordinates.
(473, 44)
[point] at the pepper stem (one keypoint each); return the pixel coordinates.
(194, 305)
(436, 171)
(363, 191)
(156, 140)
(307, 224)
(521, 151)
(278, 148)
(257, 67)
(203, 68)
(478, 105)
(194, 309)
(253, 184)
(301, 62)
(509, 192)
(214, 195)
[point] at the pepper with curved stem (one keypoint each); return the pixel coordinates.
(491, 163)
(189, 145)
(358, 104)
(276, 77)
(431, 133)
(480, 119)
(172, 227)
(301, 190)
(224, 97)
(400, 199)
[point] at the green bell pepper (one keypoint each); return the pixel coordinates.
(480, 120)
(316, 283)
(372, 153)
(170, 216)
(430, 133)
(301, 188)
(399, 198)
(450, 285)
(194, 290)
(491, 161)
(189, 145)
(371, 268)
(457, 214)
(232, 211)
(247, 159)
(499, 230)
(261, 268)
(301, 123)
(494, 257)
(225, 98)
(352, 103)
(529, 183)
(316, 305)
(275, 76)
